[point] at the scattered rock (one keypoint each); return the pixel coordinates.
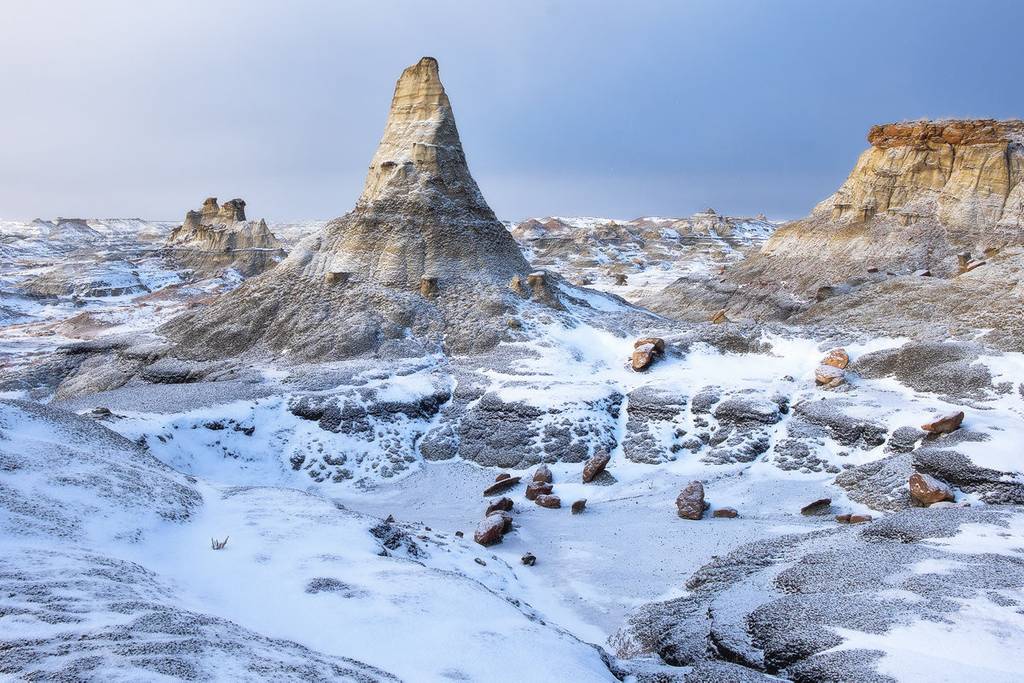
(690, 502)
(459, 534)
(579, 506)
(944, 423)
(829, 376)
(529, 559)
(818, 507)
(725, 512)
(503, 475)
(500, 485)
(646, 351)
(926, 490)
(718, 317)
(904, 439)
(548, 501)
(595, 465)
(620, 279)
(428, 287)
(837, 358)
(924, 272)
(479, 561)
(502, 505)
(490, 530)
(537, 488)
(542, 473)
(850, 518)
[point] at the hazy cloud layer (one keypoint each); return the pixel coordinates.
(622, 109)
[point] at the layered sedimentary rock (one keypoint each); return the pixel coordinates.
(219, 236)
(420, 264)
(930, 220)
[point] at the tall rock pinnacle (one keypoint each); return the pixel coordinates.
(421, 213)
(420, 264)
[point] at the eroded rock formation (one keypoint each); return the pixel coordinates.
(357, 286)
(946, 197)
(219, 236)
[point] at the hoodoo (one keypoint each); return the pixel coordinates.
(219, 236)
(420, 261)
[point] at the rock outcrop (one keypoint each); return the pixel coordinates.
(218, 236)
(358, 285)
(935, 196)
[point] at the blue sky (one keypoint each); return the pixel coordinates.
(114, 108)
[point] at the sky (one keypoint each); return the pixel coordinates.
(114, 108)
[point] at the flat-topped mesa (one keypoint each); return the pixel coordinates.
(219, 236)
(922, 193)
(421, 214)
(965, 174)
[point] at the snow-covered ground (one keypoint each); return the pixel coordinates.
(312, 563)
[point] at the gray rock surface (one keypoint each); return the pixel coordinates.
(772, 606)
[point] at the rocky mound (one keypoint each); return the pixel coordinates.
(932, 214)
(420, 263)
(218, 237)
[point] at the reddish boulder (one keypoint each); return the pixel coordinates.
(645, 351)
(837, 358)
(860, 519)
(542, 473)
(926, 490)
(500, 505)
(595, 466)
(829, 376)
(537, 488)
(501, 485)
(725, 512)
(503, 475)
(490, 530)
(579, 506)
(943, 424)
(690, 502)
(548, 501)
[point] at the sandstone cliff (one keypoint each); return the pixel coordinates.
(420, 264)
(925, 238)
(218, 237)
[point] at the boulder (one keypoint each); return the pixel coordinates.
(643, 356)
(690, 502)
(829, 376)
(837, 358)
(579, 506)
(926, 490)
(502, 505)
(548, 501)
(943, 424)
(501, 485)
(537, 488)
(542, 473)
(818, 507)
(725, 512)
(490, 530)
(595, 466)
(849, 518)
(529, 559)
